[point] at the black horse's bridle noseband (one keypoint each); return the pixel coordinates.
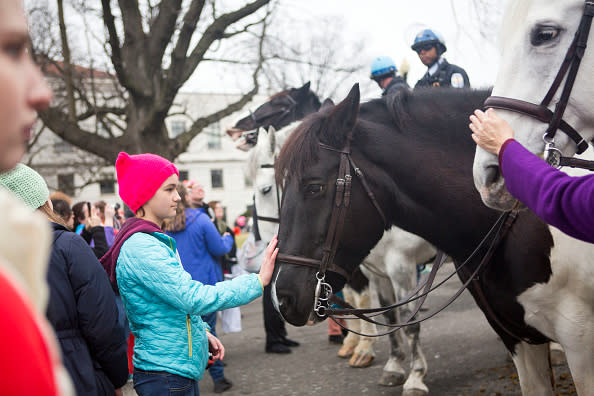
(341, 203)
(541, 112)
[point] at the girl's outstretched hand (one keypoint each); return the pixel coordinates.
(215, 347)
(268, 265)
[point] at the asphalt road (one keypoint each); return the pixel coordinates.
(463, 354)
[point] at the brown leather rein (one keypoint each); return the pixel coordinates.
(541, 112)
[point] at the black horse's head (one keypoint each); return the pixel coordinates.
(279, 111)
(308, 168)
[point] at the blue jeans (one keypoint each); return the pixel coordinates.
(216, 370)
(160, 383)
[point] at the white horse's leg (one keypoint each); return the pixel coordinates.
(394, 373)
(403, 274)
(534, 370)
(579, 351)
(351, 340)
(414, 385)
(364, 353)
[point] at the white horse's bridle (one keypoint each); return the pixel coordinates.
(541, 112)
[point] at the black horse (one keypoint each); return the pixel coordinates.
(279, 111)
(416, 154)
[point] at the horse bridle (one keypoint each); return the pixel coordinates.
(541, 112)
(269, 219)
(342, 200)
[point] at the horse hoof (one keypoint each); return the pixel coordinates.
(391, 379)
(557, 357)
(361, 361)
(414, 392)
(345, 352)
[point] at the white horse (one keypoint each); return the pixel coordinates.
(390, 267)
(535, 37)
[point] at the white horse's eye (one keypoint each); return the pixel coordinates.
(543, 34)
(266, 189)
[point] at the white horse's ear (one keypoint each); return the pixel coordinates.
(272, 138)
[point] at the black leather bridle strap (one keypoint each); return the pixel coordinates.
(569, 67)
(539, 112)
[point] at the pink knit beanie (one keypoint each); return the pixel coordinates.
(140, 176)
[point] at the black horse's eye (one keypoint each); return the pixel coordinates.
(266, 189)
(314, 189)
(543, 34)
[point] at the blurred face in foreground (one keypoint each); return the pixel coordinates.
(23, 91)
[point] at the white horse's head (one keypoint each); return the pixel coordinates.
(536, 35)
(260, 169)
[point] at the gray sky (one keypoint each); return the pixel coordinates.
(388, 28)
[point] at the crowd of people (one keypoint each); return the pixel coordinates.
(81, 283)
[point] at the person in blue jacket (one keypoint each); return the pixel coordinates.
(163, 303)
(200, 245)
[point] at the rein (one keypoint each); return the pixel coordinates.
(497, 231)
(541, 112)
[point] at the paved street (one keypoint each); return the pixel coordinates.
(463, 355)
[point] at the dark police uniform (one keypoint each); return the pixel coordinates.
(397, 83)
(446, 75)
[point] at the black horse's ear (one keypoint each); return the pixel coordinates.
(328, 103)
(304, 90)
(339, 124)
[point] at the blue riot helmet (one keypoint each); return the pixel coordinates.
(381, 67)
(427, 38)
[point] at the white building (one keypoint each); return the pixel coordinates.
(211, 159)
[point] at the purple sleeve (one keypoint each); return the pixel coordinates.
(561, 200)
(109, 235)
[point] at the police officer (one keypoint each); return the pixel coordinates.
(430, 45)
(383, 72)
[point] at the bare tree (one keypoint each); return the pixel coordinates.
(104, 107)
(321, 56)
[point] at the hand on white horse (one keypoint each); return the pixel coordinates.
(489, 131)
(269, 259)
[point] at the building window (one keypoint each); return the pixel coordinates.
(62, 147)
(216, 178)
(66, 183)
(107, 187)
(213, 134)
(184, 175)
(177, 128)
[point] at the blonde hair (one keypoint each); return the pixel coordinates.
(47, 210)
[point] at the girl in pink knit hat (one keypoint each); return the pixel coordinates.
(162, 302)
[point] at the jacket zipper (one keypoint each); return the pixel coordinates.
(189, 326)
(188, 320)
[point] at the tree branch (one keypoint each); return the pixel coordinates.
(67, 64)
(162, 29)
(214, 32)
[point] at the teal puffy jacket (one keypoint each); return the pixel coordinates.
(164, 305)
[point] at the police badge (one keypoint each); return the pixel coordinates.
(457, 80)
